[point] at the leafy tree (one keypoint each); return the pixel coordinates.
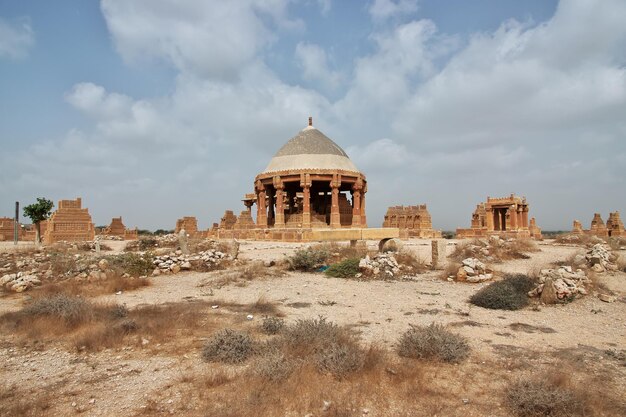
(38, 212)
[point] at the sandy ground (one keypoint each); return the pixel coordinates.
(115, 382)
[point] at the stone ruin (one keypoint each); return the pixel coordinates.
(190, 225)
(413, 221)
(614, 226)
(70, 223)
(506, 217)
(117, 229)
(25, 232)
(6, 229)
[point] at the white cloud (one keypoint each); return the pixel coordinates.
(325, 6)
(16, 39)
(210, 39)
(314, 63)
(385, 9)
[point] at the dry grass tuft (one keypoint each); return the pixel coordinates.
(433, 342)
(494, 250)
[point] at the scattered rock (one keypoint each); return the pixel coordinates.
(607, 298)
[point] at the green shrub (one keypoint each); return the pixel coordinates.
(509, 294)
(433, 342)
(537, 398)
(344, 269)
(308, 259)
(228, 346)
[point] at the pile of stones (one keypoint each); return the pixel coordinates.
(560, 284)
(473, 270)
(20, 281)
(600, 259)
(382, 264)
(175, 262)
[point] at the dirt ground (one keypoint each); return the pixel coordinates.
(146, 380)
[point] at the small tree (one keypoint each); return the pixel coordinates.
(38, 212)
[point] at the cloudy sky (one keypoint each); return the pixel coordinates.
(157, 109)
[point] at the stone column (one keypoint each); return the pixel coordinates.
(489, 217)
(363, 213)
(270, 211)
(305, 183)
(261, 215)
(496, 219)
(335, 219)
(525, 216)
(356, 203)
(279, 186)
(513, 216)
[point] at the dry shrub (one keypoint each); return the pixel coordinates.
(272, 325)
(131, 263)
(14, 404)
(340, 358)
(534, 397)
(228, 346)
(433, 342)
(411, 262)
(310, 334)
(71, 310)
(91, 289)
(308, 259)
(574, 238)
(90, 326)
(273, 366)
(509, 294)
(494, 250)
(62, 262)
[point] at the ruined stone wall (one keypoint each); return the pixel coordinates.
(413, 221)
(614, 226)
(117, 228)
(70, 222)
(244, 221)
(6, 229)
(189, 223)
(228, 220)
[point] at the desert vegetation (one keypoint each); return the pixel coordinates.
(511, 293)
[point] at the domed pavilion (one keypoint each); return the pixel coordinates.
(310, 183)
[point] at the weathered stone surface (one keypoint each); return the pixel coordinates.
(70, 222)
(413, 221)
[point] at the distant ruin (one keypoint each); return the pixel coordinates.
(117, 229)
(413, 221)
(614, 226)
(190, 225)
(70, 222)
(506, 217)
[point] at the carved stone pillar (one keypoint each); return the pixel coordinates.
(525, 216)
(512, 213)
(270, 209)
(335, 218)
(363, 213)
(489, 219)
(356, 203)
(261, 215)
(280, 206)
(305, 183)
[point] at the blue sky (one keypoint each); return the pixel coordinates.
(157, 109)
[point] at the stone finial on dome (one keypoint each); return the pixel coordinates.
(310, 120)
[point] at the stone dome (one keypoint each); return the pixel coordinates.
(310, 150)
